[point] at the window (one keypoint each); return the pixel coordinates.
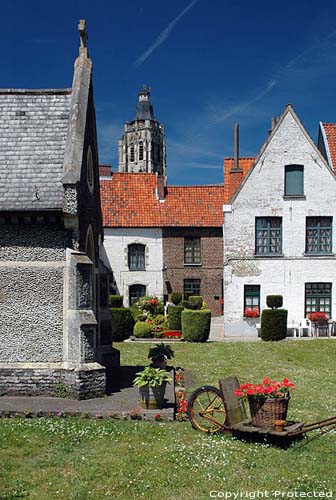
(318, 298)
(141, 151)
(318, 235)
(89, 169)
(192, 250)
(191, 287)
(294, 180)
(268, 235)
(252, 300)
(132, 152)
(135, 293)
(136, 257)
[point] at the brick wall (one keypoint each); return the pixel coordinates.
(210, 272)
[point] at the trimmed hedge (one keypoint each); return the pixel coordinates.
(122, 324)
(116, 300)
(174, 317)
(274, 301)
(196, 301)
(196, 325)
(273, 324)
(142, 330)
(176, 298)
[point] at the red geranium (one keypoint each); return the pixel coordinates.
(251, 313)
(268, 389)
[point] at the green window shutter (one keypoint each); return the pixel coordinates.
(294, 180)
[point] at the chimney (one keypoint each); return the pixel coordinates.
(105, 171)
(236, 146)
(160, 190)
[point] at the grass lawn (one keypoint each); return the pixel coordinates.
(71, 458)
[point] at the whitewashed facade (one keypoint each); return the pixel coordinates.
(118, 244)
(281, 242)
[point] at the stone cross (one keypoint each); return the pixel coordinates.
(83, 36)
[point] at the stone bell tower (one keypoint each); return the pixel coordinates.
(142, 148)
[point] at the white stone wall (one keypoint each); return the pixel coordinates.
(116, 241)
(262, 195)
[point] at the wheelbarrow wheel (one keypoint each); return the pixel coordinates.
(206, 410)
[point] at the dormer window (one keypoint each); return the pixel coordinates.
(132, 152)
(294, 180)
(141, 151)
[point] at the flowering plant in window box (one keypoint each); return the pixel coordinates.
(251, 313)
(318, 316)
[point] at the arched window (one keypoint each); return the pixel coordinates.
(136, 257)
(132, 152)
(89, 169)
(141, 151)
(135, 293)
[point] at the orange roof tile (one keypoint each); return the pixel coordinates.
(130, 200)
(233, 181)
(330, 132)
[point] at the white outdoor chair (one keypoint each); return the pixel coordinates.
(305, 324)
(295, 327)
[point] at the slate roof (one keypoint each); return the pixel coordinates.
(33, 131)
(130, 200)
(330, 133)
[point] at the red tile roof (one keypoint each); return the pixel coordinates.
(131, 200)
(233, 180)
(330, 132)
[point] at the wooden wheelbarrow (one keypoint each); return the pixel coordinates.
(214, 410)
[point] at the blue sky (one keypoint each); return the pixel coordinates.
(210, 63)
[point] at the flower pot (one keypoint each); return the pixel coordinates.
(265, 411)
(279, 425)
(152, 398)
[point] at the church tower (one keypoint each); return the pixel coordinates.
(142, 148)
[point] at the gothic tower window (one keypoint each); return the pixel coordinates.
(141, 151)
(132, 152)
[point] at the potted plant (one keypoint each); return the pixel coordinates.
(268, 401)
(152, 386)
(159, 354)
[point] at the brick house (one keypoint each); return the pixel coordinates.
(279, 228)
(55, 326)
(160, 239)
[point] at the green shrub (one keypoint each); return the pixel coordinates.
(274, 301)
(196, 325)
(141, 317)
(176, 298)
(142, 330)
(186, 304)
(116, 300)
(122, 323)
(174, 317)
(135, 312)
(273, 324)
(196, 301)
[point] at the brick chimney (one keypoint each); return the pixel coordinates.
(236, 173)
(105, 171)
(161, 188)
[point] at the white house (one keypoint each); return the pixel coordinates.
(279, 231)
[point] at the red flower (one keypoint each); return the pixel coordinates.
(266, 381)
(250, 392)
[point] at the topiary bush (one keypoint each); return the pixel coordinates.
(142, 330)
(196, 325)
(122, 323)
(174, 317)
(176, 298)
(273, 324)
(116, 300)
(196, 301)
(274, 301)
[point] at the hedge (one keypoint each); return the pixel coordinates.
(122, 323)
(274, 301)
(142, 330)
(176, 298)
(273, 324)
(196, 301)
(116, 300)
(174, 317)
(196, 325)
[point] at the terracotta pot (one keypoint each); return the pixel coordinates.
(279, 425)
